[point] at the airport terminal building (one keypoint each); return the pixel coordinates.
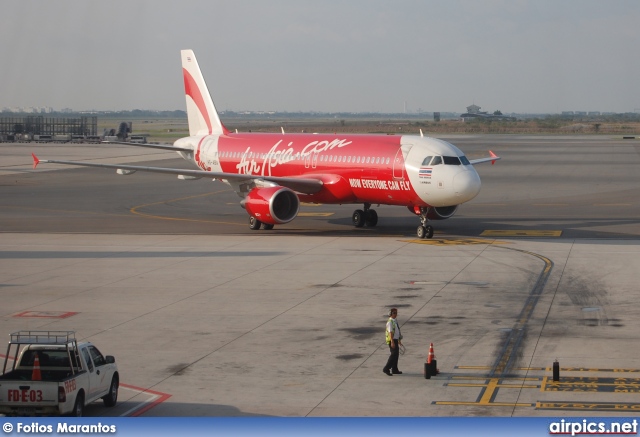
(40, 128)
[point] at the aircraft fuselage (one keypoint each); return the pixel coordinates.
(375, 169)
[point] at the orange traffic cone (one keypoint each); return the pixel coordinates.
(430, 367)
(35, 374)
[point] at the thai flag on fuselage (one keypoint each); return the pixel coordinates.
(425, 172)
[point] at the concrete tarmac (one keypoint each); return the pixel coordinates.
(208, 318)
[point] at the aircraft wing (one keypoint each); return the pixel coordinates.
(151, 146)
(493, 159)
(301, 185)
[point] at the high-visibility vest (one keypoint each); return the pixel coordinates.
(389, 335)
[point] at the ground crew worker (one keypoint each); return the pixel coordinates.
(394, 340)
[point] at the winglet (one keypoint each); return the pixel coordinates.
(493, 155)
(36, 161)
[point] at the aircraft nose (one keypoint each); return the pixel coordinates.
(466, 185)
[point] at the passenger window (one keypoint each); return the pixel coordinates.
(87, 358)
(98, 359)
(451, 160)
(437, 160)
(427, 160)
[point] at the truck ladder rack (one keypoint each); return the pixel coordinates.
(58, 338)
(43, 337)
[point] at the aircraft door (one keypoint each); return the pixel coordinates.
(398, 163)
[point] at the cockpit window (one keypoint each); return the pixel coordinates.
(464, 160)
(437, 160)
(427, 160)
(451, 160)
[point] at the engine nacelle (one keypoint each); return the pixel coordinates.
(272, 205)
(442, 212)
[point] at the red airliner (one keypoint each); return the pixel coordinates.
(273, 172)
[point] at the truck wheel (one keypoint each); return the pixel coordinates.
(78, 407)
(111, 398)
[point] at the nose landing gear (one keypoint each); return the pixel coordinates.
(424, 230)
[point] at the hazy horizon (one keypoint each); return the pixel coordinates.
(516, 56)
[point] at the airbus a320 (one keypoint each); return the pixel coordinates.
(274, 172)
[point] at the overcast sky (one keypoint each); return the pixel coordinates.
(324, 55)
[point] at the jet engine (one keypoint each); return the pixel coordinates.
(442, 212)
(272, 205)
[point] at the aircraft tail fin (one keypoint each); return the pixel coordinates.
(202, 114)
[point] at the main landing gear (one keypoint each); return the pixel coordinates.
(424, 230)
(255, 224)
(368, 217)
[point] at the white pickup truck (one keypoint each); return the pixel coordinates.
(52, 374)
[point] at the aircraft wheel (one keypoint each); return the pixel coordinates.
(358, 218)
(267, 227)
(421, 232)
(371, 218)
(254, 223)
(429, 230)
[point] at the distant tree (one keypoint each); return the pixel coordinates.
(498, 112)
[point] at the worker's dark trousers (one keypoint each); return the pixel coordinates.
(392, 362)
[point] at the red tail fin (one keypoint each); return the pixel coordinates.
(36, 161)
